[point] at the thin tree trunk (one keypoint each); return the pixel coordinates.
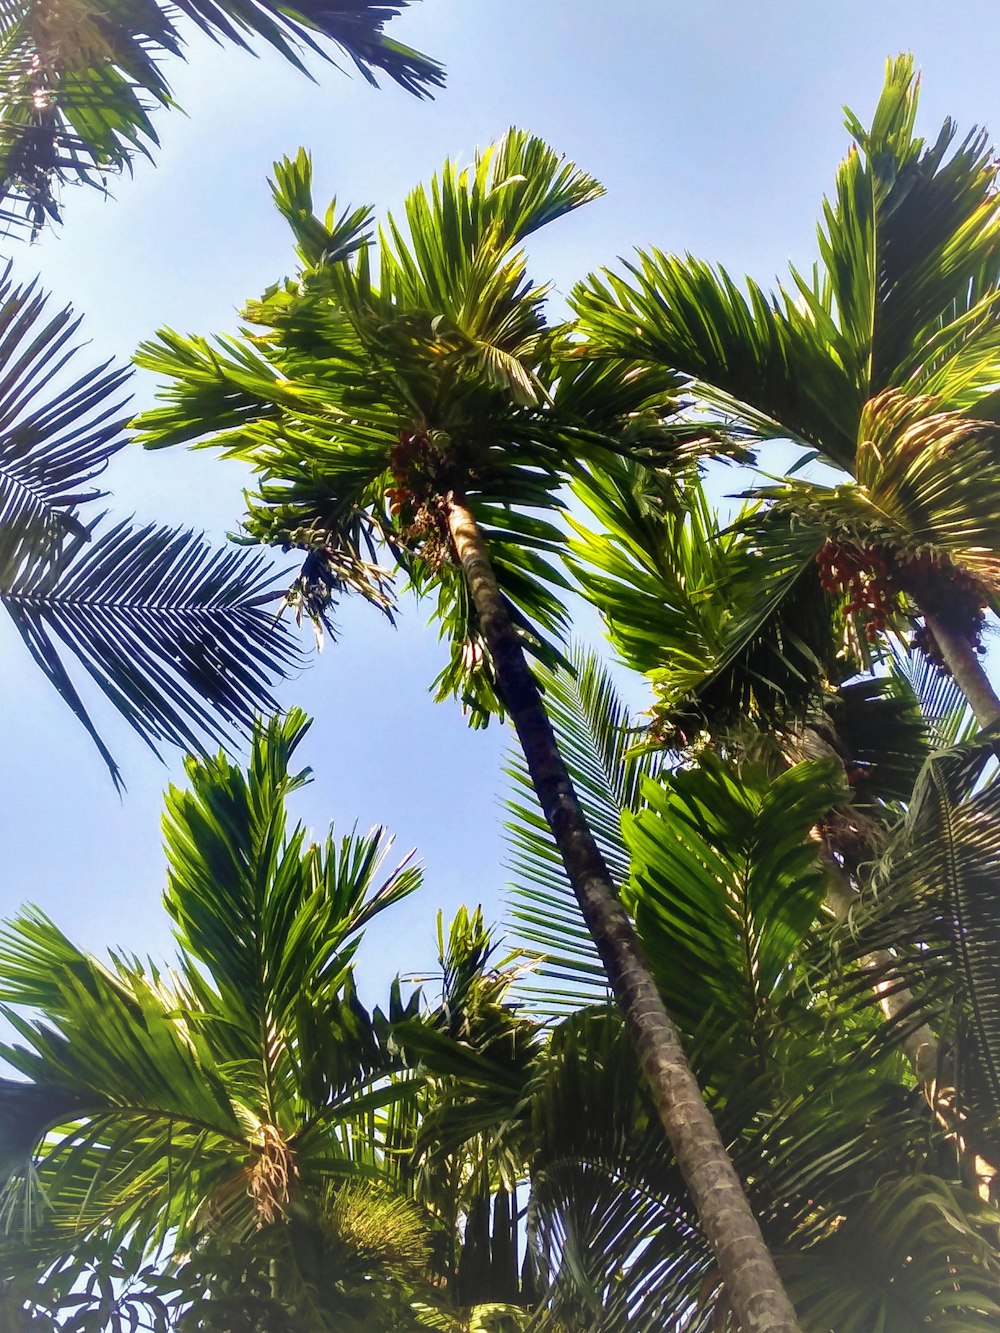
(964, 663)
(752, 1283)
(921, 1045)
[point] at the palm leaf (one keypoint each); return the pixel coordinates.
(53, 444)
(176, 635)
(80, 81)
(725, 884)
(931, 900)
(904, 295)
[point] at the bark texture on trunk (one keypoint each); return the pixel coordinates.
(752, 1283)
(965, 665)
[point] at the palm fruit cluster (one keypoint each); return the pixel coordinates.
(861, 575)
(873, 578)
(417, 467)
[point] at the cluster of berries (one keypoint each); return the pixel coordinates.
(871, 579)
(412, 462)
(862, 575)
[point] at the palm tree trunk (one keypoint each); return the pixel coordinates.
(752, 1282)
(920, 1046)
(963, 662)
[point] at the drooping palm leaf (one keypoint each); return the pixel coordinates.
(53, 442)
(81, 81)
(729, 626)
(179, 637)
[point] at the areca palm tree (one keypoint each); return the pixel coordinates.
(856, 1180)
(178, 637)
(80, 80)
(421, 400)
(215, 1111)
(882, 362)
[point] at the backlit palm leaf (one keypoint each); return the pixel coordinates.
(81, 80)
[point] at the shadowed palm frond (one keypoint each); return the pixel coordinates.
(55, 438)
(180, 638)
(81, 80)
(931, 900)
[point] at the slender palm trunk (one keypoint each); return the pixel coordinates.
(920, 1045)
(963, 662)
(752, 1282)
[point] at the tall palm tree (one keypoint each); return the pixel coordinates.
(883, 362)
(178, 637)
(214, 1111)
(858, 1183)
(80, 79)
(414, 400)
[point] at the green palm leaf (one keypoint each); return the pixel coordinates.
(725, 884)
(80, 81)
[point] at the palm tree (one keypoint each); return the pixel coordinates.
(225, 1111)
(80, 80)
(422, 401)
(855, 1178)
(882, 362)
(176, 635)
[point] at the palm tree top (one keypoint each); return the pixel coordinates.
(904, 295)
(80, 81)
(384, 378)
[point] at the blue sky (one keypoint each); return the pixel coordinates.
(716, 128)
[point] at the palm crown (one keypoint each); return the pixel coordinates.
(376, 389)
(212, 1102)
(883, 361)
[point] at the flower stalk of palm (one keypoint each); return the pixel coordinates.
(415, 398)
(883, 361)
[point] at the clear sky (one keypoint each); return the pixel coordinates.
(716, 128)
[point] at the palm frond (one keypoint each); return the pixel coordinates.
(904, 295)
(725, 884)
(53, 441)
(947, 716)
(726, 624)
(176, 635)
(931, 901)
(80, 81)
